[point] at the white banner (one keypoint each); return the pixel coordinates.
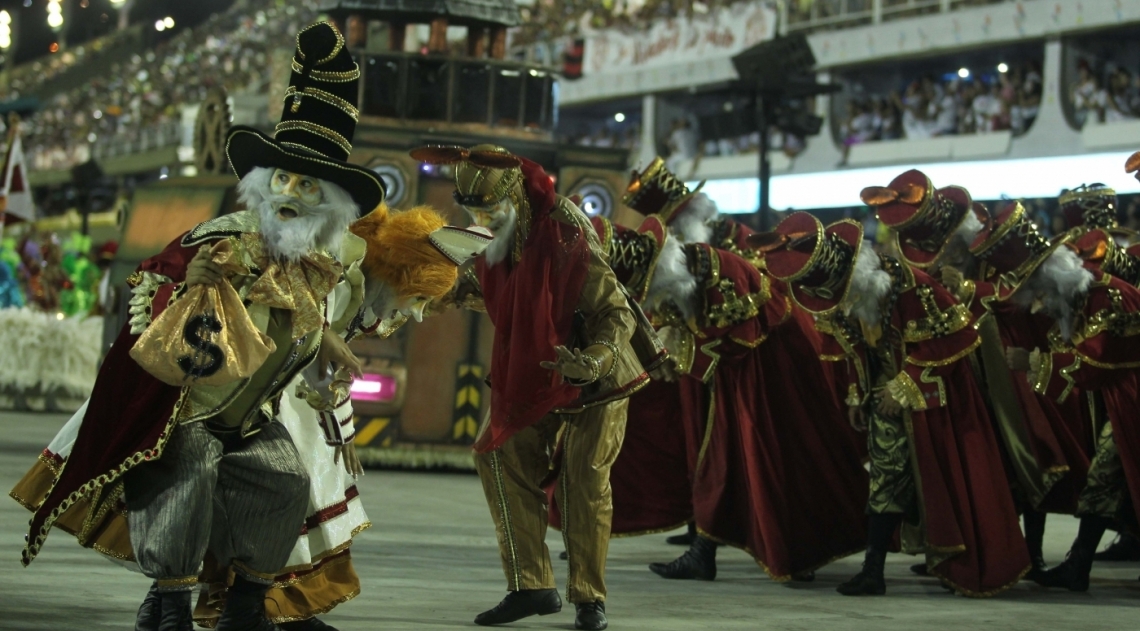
(719, 34)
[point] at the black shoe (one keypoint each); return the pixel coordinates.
(591, 616)
(521, 604)
(868, 582)
(245, 608)
(308, 624)
(1040, 567)
(698, 562)
(804, 577)
(685, 539)
(149, 612)
(920, 569)
(174, 611)
(1072, 574)
(1123, 548)
(564, 555)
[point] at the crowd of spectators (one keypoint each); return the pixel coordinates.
(929, 108)
(1109, 96)
(128, 101)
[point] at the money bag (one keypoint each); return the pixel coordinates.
(205, 338)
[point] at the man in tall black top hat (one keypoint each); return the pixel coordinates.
(211, 468)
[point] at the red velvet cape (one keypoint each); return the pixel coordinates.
(781, 475)
(532, 306)
(127, 420)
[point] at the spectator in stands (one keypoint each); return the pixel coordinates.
(683, 144)
(1088, 99)
(1118, 101)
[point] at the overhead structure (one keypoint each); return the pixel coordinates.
(483, 18)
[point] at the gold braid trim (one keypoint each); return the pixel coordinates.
(318, 130)
(853, 399)
(906, 392)
(736, 308)
(937, 323)
(329, 76)
(326, 97)
(1040, 369)
(949, 360)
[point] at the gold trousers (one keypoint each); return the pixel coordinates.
(512, 476)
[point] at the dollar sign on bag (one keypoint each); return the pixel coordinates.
(207, 358)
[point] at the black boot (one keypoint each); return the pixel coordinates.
(1073, 572)
(308, 624)
(174, 611)
(698, 562)
(1124, 548)
(591, 616)
(521, 604)
(1034, 535)
(245, 608)
(870, 581)
(685, 539)
(920, 569)
(149, 612)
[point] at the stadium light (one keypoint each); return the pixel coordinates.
(55, 14)
(1003, 68)
(160, 26)
(168, 21)
(619, 117)
(118, 3)
(964, 73)
(5, 30)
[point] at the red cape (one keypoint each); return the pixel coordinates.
(127, 422)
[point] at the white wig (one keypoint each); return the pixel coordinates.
(869, 284)
(318, 227)
(691, 223)
(672, 281)
(1058, 282)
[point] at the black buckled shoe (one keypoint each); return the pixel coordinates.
(870, 581)
(174, 611)
(149, 612)
(521, 604)
(920, 569)
(591, 616)
(308, 624)
(245, 608)
(698, 562)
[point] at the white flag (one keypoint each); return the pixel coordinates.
(15, 194)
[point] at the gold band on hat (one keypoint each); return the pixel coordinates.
(328, 75)
(336, 48)
(319, 130)
(331, 99)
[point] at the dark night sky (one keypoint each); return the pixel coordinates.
(33, 36)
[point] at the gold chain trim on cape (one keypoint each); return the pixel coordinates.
(1116, 320)
(906, 392)
(736, 308)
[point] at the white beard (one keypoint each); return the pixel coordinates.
(318, 227)
(691, 223)
(672, 281)
(869, 285)
(504, 239)
(1059, 282)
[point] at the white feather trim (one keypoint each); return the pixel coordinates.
(869, 283)
(672, 280)
(691, 223)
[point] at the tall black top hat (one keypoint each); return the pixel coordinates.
(314, 136)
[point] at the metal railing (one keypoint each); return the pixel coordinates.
(157, 136)
(816, 15)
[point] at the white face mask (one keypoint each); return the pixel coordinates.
(303, 188)
(493, 218)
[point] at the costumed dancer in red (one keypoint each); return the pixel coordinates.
(932, 230)
(1093, 346)
(564, 359)
(932, 451)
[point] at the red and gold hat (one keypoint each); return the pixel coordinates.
(1089, 205)
(921, 217)
(1012, 247)
(817, 262)
(633, 253)
(657, 191)
(1099, 249)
